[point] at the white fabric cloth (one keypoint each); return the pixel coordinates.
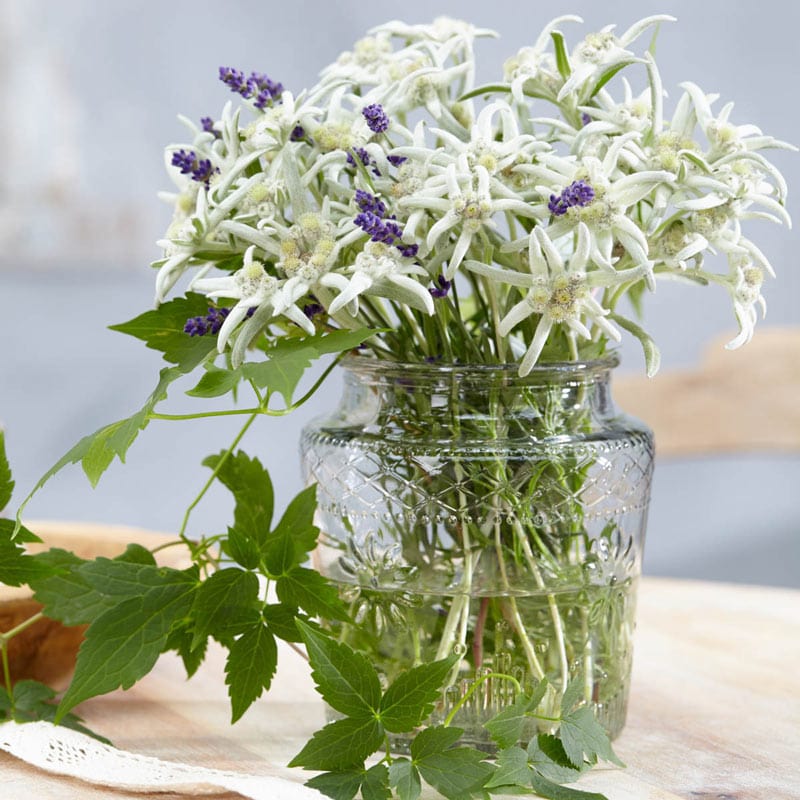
(66, 752)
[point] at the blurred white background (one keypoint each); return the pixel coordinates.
(90, 93)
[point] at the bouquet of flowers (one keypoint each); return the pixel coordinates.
(398, 208)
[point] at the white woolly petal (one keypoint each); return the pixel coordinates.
(536, 346)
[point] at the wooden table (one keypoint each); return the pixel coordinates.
(714, 711)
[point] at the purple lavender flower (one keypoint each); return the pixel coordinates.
(585, 118)
(234, 79)
(442, 287)
(368, 202)
(396, 161)
(377, 119)
(380, 230)
(298, 134)
(364, 157)
(578, 193)
(210, 323)
(314, 309)
(262, 87)
(208, 126)
(408, 250)
(201, 169)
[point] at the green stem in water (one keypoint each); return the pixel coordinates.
(472, 689)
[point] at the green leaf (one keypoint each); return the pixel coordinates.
(288, 359)
(307, 589)
(6, 482)
(96, 451)
(124, 643)
(552, 791)
(251, 664)
(547, 756)
(345, 679)
(34, 701)
(341, 745)
(226, 604)
(66, 594)
(216, 382)
(410, 698)
(457, 774)
(608, 74)
(281, 620)
(509, 726)
(251, 487)
(512, 769)
(572, 696)
(162, 329)
(375, 784)
(294, 536)
(435, 739)
(652, 356)
(489, 88)
(404, 777)
(562, 59)
(243, 548)
(137, 554)
(338, 785)
(583, 736)
(16, 567)
(120, 580)
(181, 639)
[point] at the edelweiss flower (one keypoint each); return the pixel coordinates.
(253, 288)
(470, 208)
(602, 51)
(380, 270)
(745, 289)
(559, 294)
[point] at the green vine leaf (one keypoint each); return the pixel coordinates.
(547, 756)
(341, 745)
(307, 589)
(337, 785)
(409, 700)
(250, 667)
(294, 536)
(123, 644)
(344, 678)
(507, 727)
(162, 329)
(554, 791)
(583, 737)
(6, 482)
(226, 604)
(375, 783)
(458, 773)
(512, 769)
(16, 566)
(404, 777)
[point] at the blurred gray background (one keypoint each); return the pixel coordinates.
(90, 93)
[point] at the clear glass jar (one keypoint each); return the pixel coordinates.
(466, 510)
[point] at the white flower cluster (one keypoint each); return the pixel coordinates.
(397, 194)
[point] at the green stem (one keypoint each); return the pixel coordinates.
(32, 620)
(203, 414)
(210, 481)
(472, 689)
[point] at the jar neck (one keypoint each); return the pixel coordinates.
(551, 393)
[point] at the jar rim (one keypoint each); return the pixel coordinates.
(368, 365)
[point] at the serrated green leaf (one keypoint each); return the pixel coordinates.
(410, 698)
(652, 356)
(457, 774)
(216, 382)
(250, 667)
(337, 785)
(572, 696)
(6, 481)
(288, 359)
(345, 679)
(66, 594)
(512, 769)
(435, 739)
(162, 329)
(562, 59)
(405, 779)
(252, 490)
(584, 737)
(122, 579)
(226, 604)
(553, 791)
(341, 745)
(375, 783)
(16, 567)
(281, 620)
(137, 554)
(508, 727)
(547, 756)
(243, 548)
(124, 643)
(307, 589)
(181, 639)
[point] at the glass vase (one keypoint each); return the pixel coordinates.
(467, 510)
